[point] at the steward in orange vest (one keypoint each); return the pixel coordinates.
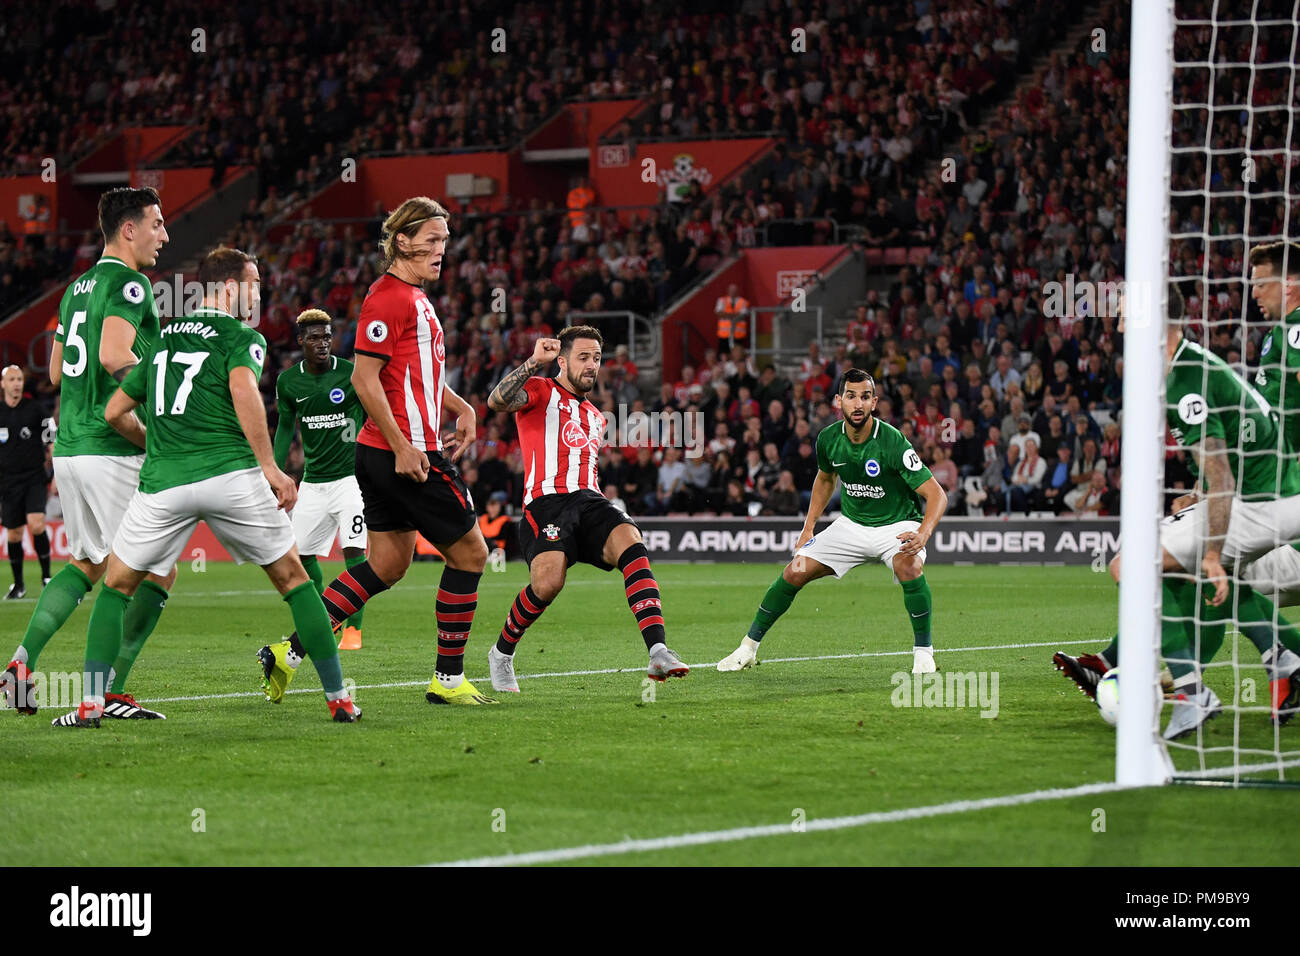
(732, 311)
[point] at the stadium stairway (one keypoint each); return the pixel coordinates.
(1086, 20)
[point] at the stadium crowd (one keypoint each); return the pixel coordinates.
(1010, 395)
(453, 81)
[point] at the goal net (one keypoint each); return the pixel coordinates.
(1214, 144)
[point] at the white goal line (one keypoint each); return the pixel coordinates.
(629, 670)
(645, 845)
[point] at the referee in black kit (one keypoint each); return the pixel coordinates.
(23, 481)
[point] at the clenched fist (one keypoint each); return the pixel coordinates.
(546, 351)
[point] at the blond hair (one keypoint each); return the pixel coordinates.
(406, 220)
(314, 317)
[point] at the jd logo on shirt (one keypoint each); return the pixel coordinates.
(1192, 409)
(873, 468)
(336, 396)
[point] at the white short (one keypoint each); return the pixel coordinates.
(327, 508)
(1254, 529)
(94, 491)
(846, 544)
(239, 507)
(1276, 576)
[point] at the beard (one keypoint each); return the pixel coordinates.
(579, 387)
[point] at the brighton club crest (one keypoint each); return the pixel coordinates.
(552, 532)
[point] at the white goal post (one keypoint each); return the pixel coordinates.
(1140, 759)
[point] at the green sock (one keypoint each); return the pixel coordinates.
(103, 640)
(775, 602)
(1255, 621)
(312, 622)
(1214, 620)
(916, 598)
(355, 619)
(141, 618)
(311, 564)
(57, 602)
(1178, 600)
(1111, 654)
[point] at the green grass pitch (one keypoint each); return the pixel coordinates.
(596, 758)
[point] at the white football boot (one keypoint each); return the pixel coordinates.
(742, 658)
(1191, 711)
(502, 668)
(923, 660)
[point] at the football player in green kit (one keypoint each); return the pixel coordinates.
(884, 484)
(208, 458)
(108, 320)
(317, 394)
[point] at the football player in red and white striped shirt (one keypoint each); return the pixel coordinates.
(407, 484)
(566, 517)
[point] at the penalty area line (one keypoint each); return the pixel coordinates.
(702, 838)
(624, 670)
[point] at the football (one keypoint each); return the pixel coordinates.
(1108, 696)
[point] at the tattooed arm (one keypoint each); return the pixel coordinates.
(1220, 486)
(509, 395)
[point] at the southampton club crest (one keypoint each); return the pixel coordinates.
(552, 532)
(681, 174)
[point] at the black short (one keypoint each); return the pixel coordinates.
(22, 497)
(577, 523)
(440, 508)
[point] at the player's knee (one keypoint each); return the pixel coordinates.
(36, 524)
(907, 568)
(390, 572)
(798, 576)
(92, 571)
(1113, 567)
(123, 579)
(14, 534)
(548, 586)
(472, 556)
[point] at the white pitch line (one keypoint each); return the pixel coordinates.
(626, 670)
(778, 829)
(268, 593)
(598, 582)
(1228, 770)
